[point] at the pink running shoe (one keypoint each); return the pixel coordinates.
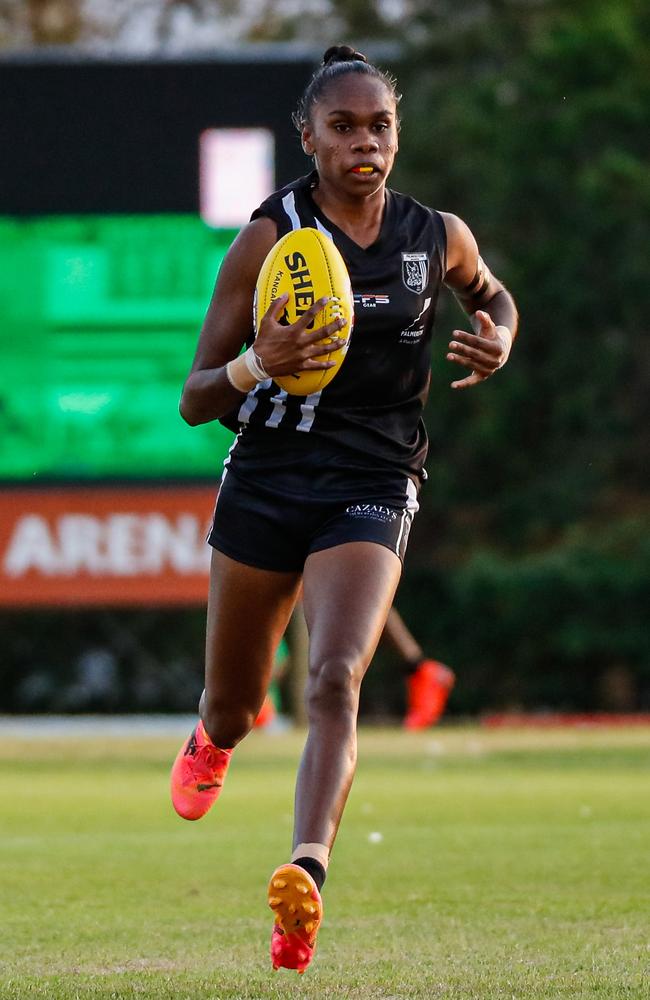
(429, 687)
(298, 908)
(198, 774)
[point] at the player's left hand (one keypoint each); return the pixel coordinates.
(484, 351)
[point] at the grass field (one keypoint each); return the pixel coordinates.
(509, 865)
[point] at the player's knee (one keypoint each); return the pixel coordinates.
(333, 687)
(226, 723)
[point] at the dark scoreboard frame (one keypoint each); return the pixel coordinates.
(116, 135)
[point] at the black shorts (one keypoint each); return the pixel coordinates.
(278, 532)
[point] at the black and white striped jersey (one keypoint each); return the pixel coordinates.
(371, 413)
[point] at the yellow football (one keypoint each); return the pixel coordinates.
(307, 266)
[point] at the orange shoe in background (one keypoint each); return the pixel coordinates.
(428, 689)
(198, 774)
(266, 714)
(298, 908)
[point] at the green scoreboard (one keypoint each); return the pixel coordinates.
(107, 263)
(99, 317)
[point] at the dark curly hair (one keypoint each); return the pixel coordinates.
(338, 60)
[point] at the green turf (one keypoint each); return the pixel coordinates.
(509, 866)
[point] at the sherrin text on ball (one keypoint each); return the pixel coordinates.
(307, 266)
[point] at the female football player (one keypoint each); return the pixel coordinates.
(320, 492)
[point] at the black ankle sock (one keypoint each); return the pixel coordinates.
(411, 666)
(314, 868)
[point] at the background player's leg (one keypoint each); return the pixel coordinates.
(401, 638)
(428, 682)
(348, 590)
(248, 612)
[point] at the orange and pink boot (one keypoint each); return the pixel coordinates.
(198, 774)
(428, 689)
(298, 908)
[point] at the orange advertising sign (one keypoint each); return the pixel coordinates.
(104, 545)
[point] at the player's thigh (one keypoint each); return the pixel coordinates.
(347, 592)
(248, 612)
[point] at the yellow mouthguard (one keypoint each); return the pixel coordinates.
(364, 170)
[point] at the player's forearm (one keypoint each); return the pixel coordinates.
(502, 311)
(207, 395)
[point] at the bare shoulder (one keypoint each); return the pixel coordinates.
(460, 238)
(462, 251)
(247, 252)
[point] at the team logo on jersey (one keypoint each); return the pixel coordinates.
(415, 271)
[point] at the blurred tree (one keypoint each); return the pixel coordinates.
(54, 22)
(28, 23)
(177, 24)
(531, 121)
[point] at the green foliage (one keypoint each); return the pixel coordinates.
(531, 123)
(544, 629)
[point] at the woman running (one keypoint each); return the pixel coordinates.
(320, 491)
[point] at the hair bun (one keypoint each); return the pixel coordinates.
(342, 53)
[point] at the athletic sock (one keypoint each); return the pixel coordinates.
(410, 667)
(313, 868)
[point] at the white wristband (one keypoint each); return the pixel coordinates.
(255, 366)
(245, 371)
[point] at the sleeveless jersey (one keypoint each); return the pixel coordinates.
(370, 415)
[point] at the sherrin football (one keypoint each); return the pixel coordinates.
(307, 266)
